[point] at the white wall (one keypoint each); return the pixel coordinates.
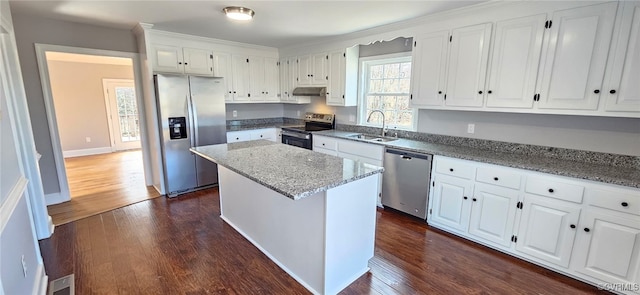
(31, 29)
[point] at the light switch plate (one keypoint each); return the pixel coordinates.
(235, 113)
(352, 118)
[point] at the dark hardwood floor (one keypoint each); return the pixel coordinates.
(181, 246)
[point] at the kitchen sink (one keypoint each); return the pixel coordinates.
(367, 137)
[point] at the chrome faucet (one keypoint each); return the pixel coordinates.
(379, 111)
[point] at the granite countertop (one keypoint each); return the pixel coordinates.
(259, 126)
(292, 171)
(596, 172)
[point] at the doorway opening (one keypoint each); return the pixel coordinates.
(95, 109)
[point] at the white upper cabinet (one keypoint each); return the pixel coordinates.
(468, 65)
(429, 69)
(241, 78)
(576, 57)
(174, 59)
(286, 86)
(271, 79)
(222, 68)
(514, 62)
(342, 73)
(256, 78)
(622, 90)
(312, 70)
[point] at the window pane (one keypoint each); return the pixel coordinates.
(392, 70)
(376, 86)
(403, 103)
(373, 102)
(375, 72)
(390, 117)
(390, 86)
(375, 119)
(389, 103)
(405, 86)
(405, 70)
(405, 118)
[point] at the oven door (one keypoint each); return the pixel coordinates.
(302, 140)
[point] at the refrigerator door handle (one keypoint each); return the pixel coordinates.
(192, 121)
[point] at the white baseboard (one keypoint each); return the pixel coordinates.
(55, 198)
(87, 152)
(40, 284)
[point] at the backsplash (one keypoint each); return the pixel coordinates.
(506, 147)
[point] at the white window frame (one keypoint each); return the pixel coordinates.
(364, 62)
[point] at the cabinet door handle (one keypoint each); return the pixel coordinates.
(439, 92)
(624, 204)
(179, 62)
(323, 144)
(451, 169)
(480, 92)
(465, 197)
(551, 190)
(612, 91)
(495, 178)
(586, 229)
(489, 91)
(237, 138)
(596, 91)
(572, 226)
(185, 63)
(474, 199)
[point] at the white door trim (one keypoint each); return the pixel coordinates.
(41, 50)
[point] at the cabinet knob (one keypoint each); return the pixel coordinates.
(586, 229)
(451, 169)
(439, 92)
(179, 62)
(551, 190)
(234, 92)
(474, 199)
(572, 226)
(311, 75)
(465, 197)
(323, 144)
(624, 204)
(596, 91)
(185, 63)
(612, 91)
(495, 178)
(480, 92)
(489, 91)
(237, 138)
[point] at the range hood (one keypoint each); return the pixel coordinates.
(310, 91)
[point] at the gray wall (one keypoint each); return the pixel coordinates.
(254, 111)
(32, 29)
(79, 101)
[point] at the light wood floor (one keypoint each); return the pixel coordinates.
(101, 183)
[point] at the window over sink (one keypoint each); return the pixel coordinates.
(386, 86)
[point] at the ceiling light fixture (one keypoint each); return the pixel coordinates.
(239, 13)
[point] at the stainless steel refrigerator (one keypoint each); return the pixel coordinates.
(192, 113)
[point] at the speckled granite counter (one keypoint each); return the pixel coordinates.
(288, 170)
(596, 172)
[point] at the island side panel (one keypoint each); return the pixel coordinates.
(350, 231)
(291, 233)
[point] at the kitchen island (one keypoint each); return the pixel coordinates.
(312, 214)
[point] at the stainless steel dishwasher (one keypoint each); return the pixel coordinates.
(405, 184)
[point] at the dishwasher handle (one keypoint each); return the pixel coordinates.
(408, 155)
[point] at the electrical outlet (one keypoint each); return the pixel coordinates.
(24, 267)
(87, 139)
(235, 113)
(471, 128)
(298, 113)
(352, 118)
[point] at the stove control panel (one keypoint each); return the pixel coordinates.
(325, 118)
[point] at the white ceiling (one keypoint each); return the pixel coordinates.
(276, 23)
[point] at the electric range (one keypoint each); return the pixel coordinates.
(301, 136)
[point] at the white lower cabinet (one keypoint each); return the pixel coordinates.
(547, 229)
(246, 135)
(588, 230)
(608, 247)
(450, 202)
(493, 212)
